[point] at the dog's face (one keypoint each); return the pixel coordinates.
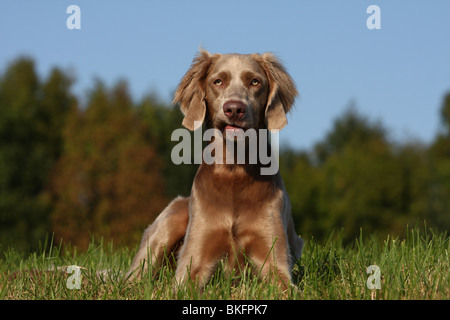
(234, 91)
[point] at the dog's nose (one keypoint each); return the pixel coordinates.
(234, 110)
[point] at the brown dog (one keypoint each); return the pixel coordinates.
(233, 210)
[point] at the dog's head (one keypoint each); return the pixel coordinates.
(236, 91)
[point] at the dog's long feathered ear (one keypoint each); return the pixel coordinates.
(282, 92)
(191, 91)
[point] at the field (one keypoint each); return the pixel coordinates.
(416, 267)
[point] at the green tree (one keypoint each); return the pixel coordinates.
(440, 153)
(356, 178)
(351, 128)
(162, 121)
(301, 179)
(32, 114)
(108, 182)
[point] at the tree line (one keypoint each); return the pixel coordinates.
(99, 166)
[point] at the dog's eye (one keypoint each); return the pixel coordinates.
(218, 82)
(255, 82)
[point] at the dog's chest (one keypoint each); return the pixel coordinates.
(235, 190)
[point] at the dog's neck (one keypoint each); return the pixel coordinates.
(247, 155)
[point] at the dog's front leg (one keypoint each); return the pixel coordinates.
(161, 237)
(202, 250)
(208, 239)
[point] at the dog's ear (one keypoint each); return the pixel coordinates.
(191, 91)
(282, 92)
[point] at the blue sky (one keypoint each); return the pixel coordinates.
(398, 74)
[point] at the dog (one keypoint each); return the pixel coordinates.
(234, 212)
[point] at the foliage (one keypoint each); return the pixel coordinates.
(355, 179)
(162, 121)
(108, 181)
(32, 114)
(440, 171)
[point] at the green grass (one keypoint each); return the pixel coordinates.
(413, 268)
